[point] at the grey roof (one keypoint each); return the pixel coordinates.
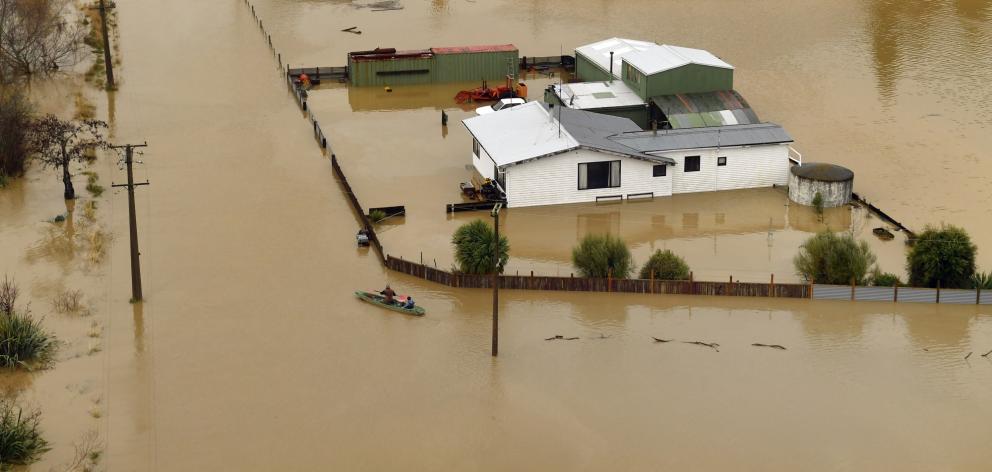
(823, 172)
(595, 130)
(700, 138)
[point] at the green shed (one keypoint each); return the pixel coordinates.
(381, 67)
(592, 61)
(670, 70)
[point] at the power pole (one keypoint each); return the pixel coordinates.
(495, 215)
(107, 62)
(135, 263)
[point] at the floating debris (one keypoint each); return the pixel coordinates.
(969, 355)
(773, 346)
(353, 29)
(987, 354)
(713, 346)
(563, 338)
(658, 340)
(883, 234)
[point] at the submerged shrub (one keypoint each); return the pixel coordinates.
(601, 256)
(475, 244)
(377, 215)
(23, 342)
(20, 435)
(885, 279)
(830, 259)
(942, 255)
(665, 265)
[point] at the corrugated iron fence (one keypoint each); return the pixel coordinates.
(902, 294)
(579, 284)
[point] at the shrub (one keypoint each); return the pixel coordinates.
(942, 255)
(95, 189)
(982, 280)
(818, 203)
(602, 256)
(377, 215)
(665, 265)
(23, 342)
(830, 259)
(885, 279)
(69, 301)
(20, 435)
(475, 243)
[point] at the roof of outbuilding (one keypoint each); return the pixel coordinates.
(823, 172)
(599, 52)
(702, 138)
(598, 95)
(655, 59)
(694, 110)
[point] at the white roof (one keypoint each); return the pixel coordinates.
(599, 52)
(656, 58)
(520, 133)
(597, 95)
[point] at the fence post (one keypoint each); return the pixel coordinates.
(895, 293)
(692, 286)
(609, 279)
(771, 287)
(730, 283)
(811, 282)
(978, 296)
(852, 289)
(652, 272)
(938, 292)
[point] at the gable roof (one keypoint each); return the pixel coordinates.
(599, 52)
(655, 59)
(702, 138)
(529, 131)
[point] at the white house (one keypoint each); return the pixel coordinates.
(570, 156)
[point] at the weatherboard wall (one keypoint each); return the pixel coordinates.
(554, 180)
(492, 66)
(747, 167)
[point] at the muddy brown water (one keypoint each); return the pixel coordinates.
(251, 354)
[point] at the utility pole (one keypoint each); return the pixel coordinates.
(107, 62)
(495, 215)
(135, 263)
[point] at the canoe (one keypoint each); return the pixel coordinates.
(378, 300)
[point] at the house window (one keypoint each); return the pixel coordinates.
(691, 164)
(605, 174)
(659, 170)
(721, 161)
(475, 148)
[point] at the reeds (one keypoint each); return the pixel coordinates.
(24, 343)
(20, 435)
(69, 301)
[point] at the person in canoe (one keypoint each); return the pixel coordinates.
(388, 294)
(409, 303)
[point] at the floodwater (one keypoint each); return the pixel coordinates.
(251, 354)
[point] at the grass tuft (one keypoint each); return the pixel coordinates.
(20, 435)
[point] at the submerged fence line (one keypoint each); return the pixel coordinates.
(582, 284)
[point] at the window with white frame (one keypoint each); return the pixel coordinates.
(604, 174)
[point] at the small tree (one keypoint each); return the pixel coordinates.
(885, 279)
(665, 265)
(942, 255)
(57, 143)
(475, 243)
(602, 256)
(15, 120)
(818, 205)
(831, 259)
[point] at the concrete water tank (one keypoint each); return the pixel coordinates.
(833, 182)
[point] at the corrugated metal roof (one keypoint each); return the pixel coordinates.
(474, 49)
(599, 52)
(695, 110)
(586, 95)
(655, 59)
(520, 133)
(701, 138)
(529, 131)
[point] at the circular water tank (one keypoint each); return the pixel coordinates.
(833, 182)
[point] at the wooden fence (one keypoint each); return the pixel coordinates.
(580, 284)
(357, 207)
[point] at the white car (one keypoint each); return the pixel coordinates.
(500, 105)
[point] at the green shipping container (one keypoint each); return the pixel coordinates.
(475, 63)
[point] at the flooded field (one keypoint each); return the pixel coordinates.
(250, 352)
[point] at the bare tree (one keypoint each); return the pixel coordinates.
(37, 36)
(57, 143)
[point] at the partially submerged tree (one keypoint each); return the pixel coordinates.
(37, 36)
(665, 265)
(944, 256)
(475, 246)
(602, 256)
(15, 121)
(58, 143)
(830, 259)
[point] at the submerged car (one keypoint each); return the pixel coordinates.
(500, 105)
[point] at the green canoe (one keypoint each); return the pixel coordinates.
(378, 300)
